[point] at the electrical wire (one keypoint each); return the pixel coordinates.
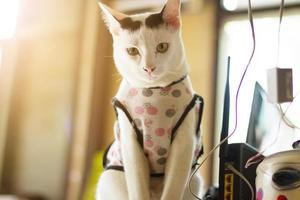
(235, 171)
(190, 182)
(279, 30)
(250, 17)
(285, 119)
(259, 156)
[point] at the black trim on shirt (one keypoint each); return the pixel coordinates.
(189, 107)
(121, 168)
(200, 115)
(104, 161)
(118, 104)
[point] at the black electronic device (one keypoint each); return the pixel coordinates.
(261, 124)
(231, 186)
(265, 124)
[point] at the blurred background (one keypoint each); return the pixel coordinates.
(57, 79)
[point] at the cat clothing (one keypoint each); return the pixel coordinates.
(156, 114)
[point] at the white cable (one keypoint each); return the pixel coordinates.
(235, 171)
(279, 30)
(285, 118)
(250, 16)
(259, 156)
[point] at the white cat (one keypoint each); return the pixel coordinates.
(158, 128)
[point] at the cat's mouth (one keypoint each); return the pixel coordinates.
(152, 76)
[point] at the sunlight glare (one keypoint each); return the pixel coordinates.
(8, 18)
(230, 5)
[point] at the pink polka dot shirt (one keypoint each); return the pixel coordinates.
(156, 114)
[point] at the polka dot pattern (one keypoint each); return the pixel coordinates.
(282, 197)
(162, 161)
(133, 92)
(148, 122)
(176, 93)
(165, 91)
(147, 105)
(147, 92)
(149, 143)
(259, 194)
(155, 112)
(170, 112)
(160, 132)
(139, 110)
(161, 151)
(148, 137)
(152, 110)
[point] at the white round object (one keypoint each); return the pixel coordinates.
(278, 177)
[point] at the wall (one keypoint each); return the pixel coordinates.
(63, 82)
(39, 126)
(7, 71)
(90, 91)
(200, 37)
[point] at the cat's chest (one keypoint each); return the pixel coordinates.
(156, 110)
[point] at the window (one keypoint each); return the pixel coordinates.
(235, 40)
(8, 16)
(236, 5)
(130, 5)
(0, 57)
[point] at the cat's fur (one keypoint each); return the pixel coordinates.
(145, 32)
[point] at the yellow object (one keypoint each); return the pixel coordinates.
(96, 170)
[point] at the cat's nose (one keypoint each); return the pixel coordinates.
(149, 68)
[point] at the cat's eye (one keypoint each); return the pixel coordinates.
(133, 51)
(162, 47)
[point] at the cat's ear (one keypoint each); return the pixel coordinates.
(171, 13)
(111, 18)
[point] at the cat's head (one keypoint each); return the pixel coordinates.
(148, 49)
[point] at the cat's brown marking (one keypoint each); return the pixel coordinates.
(155, 20)
(129, 24)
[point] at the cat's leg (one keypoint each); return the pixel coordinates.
(134, 160)
(112, 186)
(178, 166)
